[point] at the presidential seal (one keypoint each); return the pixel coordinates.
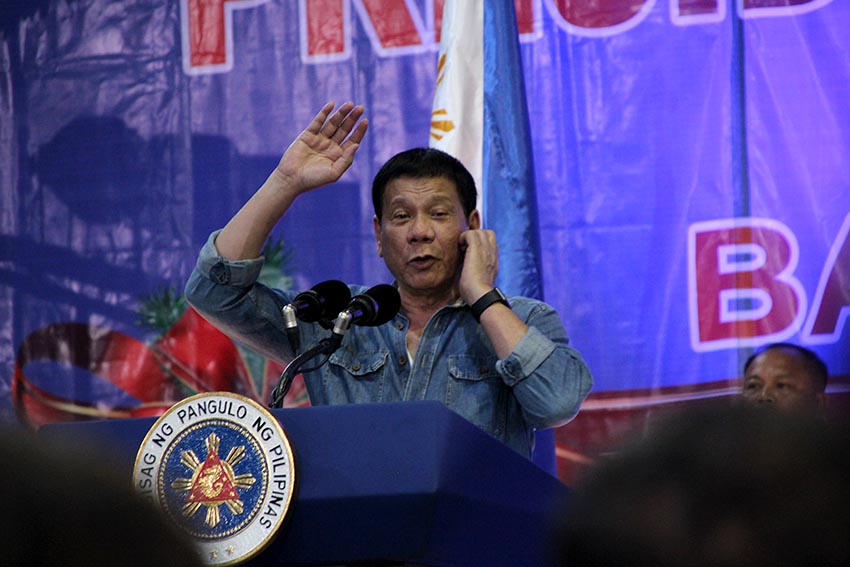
(220, 466)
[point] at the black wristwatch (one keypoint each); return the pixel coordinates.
(495, 295)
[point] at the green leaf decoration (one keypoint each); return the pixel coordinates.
(278, 265)
(160, 310)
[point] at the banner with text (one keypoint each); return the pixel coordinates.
(691, 163)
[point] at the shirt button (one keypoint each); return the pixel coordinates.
(483, 370)
(402, 359)
(399, 325)
(218, 273)
(355, 366)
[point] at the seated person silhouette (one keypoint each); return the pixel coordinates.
(723, 485)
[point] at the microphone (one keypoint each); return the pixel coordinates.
(322, 301)
(290, 323)
(319, 304)
(376, 306)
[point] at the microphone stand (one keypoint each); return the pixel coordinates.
(325, 346)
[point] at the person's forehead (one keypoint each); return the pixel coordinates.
(429, 187)
(779, 362)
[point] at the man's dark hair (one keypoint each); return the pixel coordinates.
(813, 362)
(420, 163)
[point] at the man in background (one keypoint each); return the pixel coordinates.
(785, 376)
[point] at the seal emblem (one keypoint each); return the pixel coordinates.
(220, 466)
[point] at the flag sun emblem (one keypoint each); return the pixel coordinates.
(220, 466)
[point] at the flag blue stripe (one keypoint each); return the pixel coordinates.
(509, 203)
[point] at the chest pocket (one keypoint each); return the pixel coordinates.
(476, 391)
(473, 368)
(355, 377)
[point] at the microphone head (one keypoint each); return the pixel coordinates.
(335, 296)
(375, 306)
(322, 302)
(386, 301)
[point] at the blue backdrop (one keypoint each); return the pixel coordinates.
(692, 162)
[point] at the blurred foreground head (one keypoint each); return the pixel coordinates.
(719, 487)
(62, 507)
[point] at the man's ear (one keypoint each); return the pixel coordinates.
(376, 226)
(474, 220)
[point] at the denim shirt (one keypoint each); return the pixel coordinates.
(541, 384)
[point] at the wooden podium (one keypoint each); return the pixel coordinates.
(387, 484)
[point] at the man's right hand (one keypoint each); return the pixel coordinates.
(320, 154)
(324, 150)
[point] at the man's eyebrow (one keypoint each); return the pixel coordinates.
(790, 375)
(430, 201)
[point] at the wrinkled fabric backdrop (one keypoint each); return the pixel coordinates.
(692, 163)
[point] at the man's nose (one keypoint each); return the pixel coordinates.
(766, 396)
(421, 229)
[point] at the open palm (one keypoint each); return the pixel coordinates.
(325, 149)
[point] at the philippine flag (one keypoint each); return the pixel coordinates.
(480, 117)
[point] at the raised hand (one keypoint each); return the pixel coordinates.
(318, 156)
(324, 150)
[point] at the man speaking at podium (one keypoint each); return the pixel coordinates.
(504, 364)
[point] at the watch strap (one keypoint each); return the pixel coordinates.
(495, 295)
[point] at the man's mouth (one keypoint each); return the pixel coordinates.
(422, 261)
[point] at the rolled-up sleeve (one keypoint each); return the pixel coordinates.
(235, 273)
(549, 378)
(226, 293)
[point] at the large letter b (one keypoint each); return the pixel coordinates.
(742, 291)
